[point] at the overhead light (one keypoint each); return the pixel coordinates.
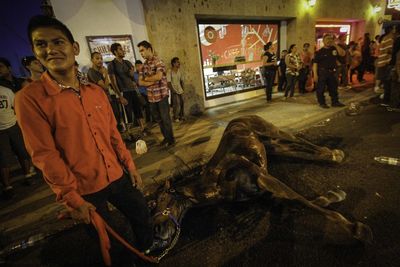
(311, 2)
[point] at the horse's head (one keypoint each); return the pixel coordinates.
(168, 212)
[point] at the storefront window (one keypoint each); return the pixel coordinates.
(231, 54)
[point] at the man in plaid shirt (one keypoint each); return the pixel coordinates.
(154, 76)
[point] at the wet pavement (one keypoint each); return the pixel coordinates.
(246, 234)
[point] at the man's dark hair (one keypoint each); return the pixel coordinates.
(5, 61)
(138, 62)
(93, 54)
(26, 61)
(306, 44)
(114, 47)
(173, 60)
(284, 50)
(267, 46)
(145, 44)
(41, 21)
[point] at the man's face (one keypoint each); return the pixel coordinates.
(306, 47)
(97, 60)
(4, 71)
(328, 40)
(177, 64)
(146, 53)
(35, 66)
(53, 49)
(138, 67)
(120, 52)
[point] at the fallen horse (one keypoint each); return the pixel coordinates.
(238, 171)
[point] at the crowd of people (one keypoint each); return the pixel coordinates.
(334, 66)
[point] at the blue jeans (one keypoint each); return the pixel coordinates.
(160, 112)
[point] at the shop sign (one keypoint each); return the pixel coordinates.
(102, 45)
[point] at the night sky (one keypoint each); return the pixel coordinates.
(14, 17)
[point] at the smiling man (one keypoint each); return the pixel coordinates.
(70, 132)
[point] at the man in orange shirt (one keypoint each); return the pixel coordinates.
(70, 132)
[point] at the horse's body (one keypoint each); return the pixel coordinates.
(238, 171)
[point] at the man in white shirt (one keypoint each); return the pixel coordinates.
(11, 142)
(175, 84)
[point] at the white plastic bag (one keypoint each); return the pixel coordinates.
(141, 147)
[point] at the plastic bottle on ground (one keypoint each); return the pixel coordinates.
(388, 160)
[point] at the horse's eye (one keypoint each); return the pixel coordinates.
(172, 190)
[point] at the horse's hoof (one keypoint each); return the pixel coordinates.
(363, 233)
(337, 155)
(336, 196)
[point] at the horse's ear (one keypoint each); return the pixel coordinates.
(167, 184)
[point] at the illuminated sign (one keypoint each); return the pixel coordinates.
(394, 4)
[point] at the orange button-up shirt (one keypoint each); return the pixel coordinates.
(72, 139)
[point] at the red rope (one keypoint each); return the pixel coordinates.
(102, 227)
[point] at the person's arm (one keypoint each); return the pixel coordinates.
(289, 64)
(182, 83)
(169, 79)
(341, 51)
(154, 78)
(96, 80)
(315, 68)
(142, 81)
(114, 84)
(39, 141)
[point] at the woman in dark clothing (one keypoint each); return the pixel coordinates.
(269, 65)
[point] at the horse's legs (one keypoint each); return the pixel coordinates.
(284, 144)
(332, 196)
(336, 227)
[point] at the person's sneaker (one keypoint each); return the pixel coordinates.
(324, 106)
(383, 105)
(348, 87)
(338, 104)
(176, 120)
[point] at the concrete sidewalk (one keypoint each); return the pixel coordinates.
(33, 210)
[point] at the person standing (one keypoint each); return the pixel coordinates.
(121, 76)
(7, 79)
(11, 142)
(71, 134)
(98, 74)
(293, 63)
(142, 91)
(325, 68)
(269, 65)
(344, 61)
(34, 67)
(282, 81)
(305, 71)
(175, 84)
(383, 61)
(154, 77)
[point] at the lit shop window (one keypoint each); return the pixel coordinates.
(231, 55)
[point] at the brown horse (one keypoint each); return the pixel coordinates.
(238, 172)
